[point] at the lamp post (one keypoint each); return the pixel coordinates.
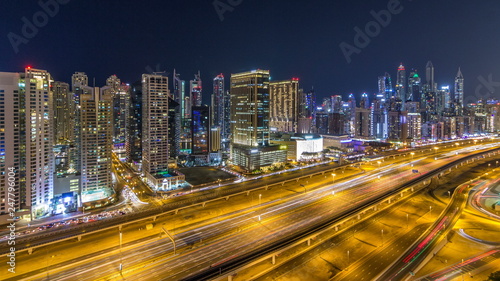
(449, 194)
(382, 237)
(348, 259)
(333, 178)
(121, 264)
(260, 197)
(435, 152)
(407, 221)
(430, 211)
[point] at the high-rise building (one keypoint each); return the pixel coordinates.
(221, 110)
(63, 112)
(459, 93)
(365, 101)
(250, 121)
(307, 112)
(155, 154)
(95, 145)
(200, 125)
(184, 101)
(322, 122)
(121, 117)
(79, 78)
(397, 126)
(307, 104)
(430, 83)
(114, 83)
(284, 105)
(362, 122)
(250, 108)
(378, 118)
(135, 123)
(414, 87)
(444, 101)
(26, 141)
(414, 126)
(195, 87)
(335, 104)
(401, 81)
(385, 86)
(174, 128)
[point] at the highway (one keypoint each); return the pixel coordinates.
(280, 221)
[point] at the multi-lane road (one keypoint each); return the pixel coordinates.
(209, 244)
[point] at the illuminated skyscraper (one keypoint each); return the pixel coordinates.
(155, 144)
(195, 87)
(284, 105)
(250, 121)
(63, 112)
(430, 84)
(414, 87)
(79, 78)
(96, 140)
(365, 101)
(250, 108)
(121, 117)
(401, 81)
(221, 110)
(459, 93)
(385, 86)
(200, 125)
(26, 141)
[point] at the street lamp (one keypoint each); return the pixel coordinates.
(379, 163)
(382, 237)
(407, 220)
(121, 265)
(449, 194)
(333, 178)
(347, 259)
(413, 153)
(435, 150)
(430, 211)
(260, 197)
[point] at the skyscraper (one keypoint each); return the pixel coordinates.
(184, 101)
(121, 117)
(250, 121)
(195, 87)
(95, 145)
(155, 152)
(385, 86)
(221, 111)
(365, 101)
(200, 125)
(414, 87)
(135, 133)
(250, 108)
(26, 140)
(401, 81)
(459, 93)
(429, 76)
(63, 112)
(179, 92)
(284, 105)
(79, 78)
(307, 112)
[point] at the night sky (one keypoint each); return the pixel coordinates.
(291, 38)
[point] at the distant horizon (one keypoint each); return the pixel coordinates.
(296, 39)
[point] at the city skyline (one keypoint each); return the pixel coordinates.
(314, 56)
